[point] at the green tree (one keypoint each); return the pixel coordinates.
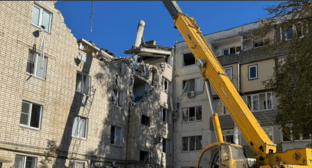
(292, 78)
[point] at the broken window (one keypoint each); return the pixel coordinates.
(37, 66)
(83, 83)
(165, 84)
(229, 72)
(116, 135)
(170, 61)
(145, 120)
(140, 89)
(253, 72)
(40, 17)
(144, 156)
(80, 128)
(192, 113)
(188, 59)
(191, 143)
(25, 162)
(31, 115)
(165, 115)
(117, 97)
(262, 101)
(165, 146)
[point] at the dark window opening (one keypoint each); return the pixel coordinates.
(188, 59)
(145, 120)
(232, 50)
(258, 44)
(143, 156)
(140, 89)
(192, 113)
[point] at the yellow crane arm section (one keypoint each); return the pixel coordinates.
(212, 70)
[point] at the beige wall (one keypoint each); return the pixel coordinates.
(265, 70)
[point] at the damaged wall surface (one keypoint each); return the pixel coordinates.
(78, 96)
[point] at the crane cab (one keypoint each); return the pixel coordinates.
(222, 155)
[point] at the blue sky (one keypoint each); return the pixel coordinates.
(115, 22)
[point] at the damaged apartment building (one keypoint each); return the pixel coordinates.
(247, 64)
(68, 103)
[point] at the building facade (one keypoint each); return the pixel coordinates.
(69, 103)
(248, 64)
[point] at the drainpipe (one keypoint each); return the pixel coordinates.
(137, 41)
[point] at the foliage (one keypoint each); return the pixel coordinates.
(292, 78)
(51, 151)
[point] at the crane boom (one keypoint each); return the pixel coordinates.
(250, 128)
(212, 71)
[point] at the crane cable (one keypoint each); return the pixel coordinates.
(91, 17)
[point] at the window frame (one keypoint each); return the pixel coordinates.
(30, 114)
(120, 136)
(165, 82)
(167, 114)
(163, 149)
(25, 159)
(86, 128)
(266, 100)
(36, 64)
(292, 138)
(188, 114)
(231, 68)
(188, 143)
(41, 9)
(83, 84)
(252, 66)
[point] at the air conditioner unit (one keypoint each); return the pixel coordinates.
(191, 94)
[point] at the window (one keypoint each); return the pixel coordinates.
(253, 72)
(116, 135)
(40, 17)
(229, 72)
(165, 84)
(290, 135)
(31, 115)
(144, 156)
(192, 113)
(269, 131)
(25, 162)
(117, 97)
(37, 66)
(261, 101)
(191, 143)
(145, 120)
(80, 128)
(188, 59)
(286, 34)
(83, 83)
(232, 50)
(165, 146)
(228, 138)
(225, 51)
(196, 85)
(165, 115)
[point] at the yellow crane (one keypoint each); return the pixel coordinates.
(230, 155)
